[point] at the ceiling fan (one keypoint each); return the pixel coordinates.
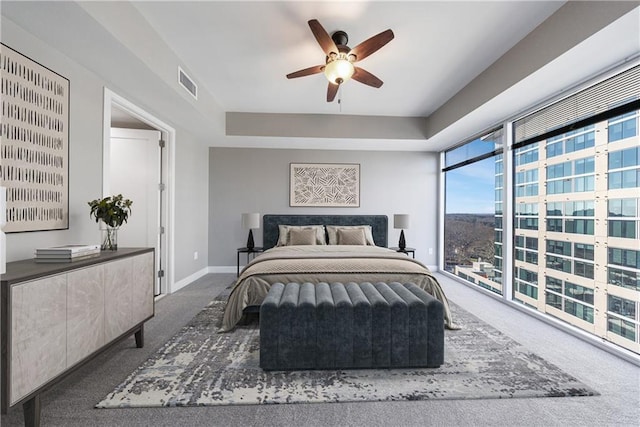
(338, 67)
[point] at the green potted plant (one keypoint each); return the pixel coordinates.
(113, 211)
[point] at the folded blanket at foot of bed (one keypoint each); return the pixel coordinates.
(327, 264)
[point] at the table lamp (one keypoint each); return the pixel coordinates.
(401, 221)
(250, 221)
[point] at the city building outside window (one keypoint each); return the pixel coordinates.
(575, 204)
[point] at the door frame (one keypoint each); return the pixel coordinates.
(168, 134)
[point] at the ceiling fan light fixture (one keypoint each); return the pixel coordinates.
(338, 65)
(339, 70)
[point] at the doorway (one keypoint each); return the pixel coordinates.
(138, 163)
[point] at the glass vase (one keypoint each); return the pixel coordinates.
(109, 238)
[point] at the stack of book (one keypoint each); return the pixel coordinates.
(67, 253)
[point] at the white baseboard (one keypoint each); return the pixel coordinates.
(187, 280)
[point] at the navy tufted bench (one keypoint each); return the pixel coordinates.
(337, 326)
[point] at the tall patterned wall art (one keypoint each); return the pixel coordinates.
(324, 185)
(34, 141)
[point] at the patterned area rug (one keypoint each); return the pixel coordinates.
(199, 367)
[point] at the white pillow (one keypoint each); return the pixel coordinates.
(283, 237)
(332, 231)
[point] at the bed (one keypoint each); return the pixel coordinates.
(334, 251)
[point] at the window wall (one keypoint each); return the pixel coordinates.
(574, 197)
(472, 223)
(586, 212)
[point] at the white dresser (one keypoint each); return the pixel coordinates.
(57, 316)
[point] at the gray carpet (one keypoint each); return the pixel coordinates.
(198, 367)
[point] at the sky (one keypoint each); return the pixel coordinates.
(471, 188)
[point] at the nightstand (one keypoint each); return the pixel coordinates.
(249, 252)
(407, 251)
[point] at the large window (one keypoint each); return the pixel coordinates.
(572, 195)
(473, 212)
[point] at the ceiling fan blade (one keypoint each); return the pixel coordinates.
(363, 76)
(332, 90)
(324, 39)
(371, 45)
(306, 72)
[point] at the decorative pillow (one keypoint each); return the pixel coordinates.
(332, 231)
(302, 236)
(284, 230)
(282, 235)
(353, 236)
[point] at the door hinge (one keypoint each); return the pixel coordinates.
(161, 229)
(161, 143)
(161, 186)
(160, 273)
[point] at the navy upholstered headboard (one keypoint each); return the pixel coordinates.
(378, 223)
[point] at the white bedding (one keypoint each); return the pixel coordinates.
(326, 263)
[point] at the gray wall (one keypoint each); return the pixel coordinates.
(257, 180)
(85, 158)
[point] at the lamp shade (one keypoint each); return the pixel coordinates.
(401, 221)
(250, 220)
(339, 71)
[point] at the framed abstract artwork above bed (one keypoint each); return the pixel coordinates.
(324, 185)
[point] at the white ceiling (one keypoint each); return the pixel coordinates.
(241, 52)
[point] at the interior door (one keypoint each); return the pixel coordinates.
(136, 173)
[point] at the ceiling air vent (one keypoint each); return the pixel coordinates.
(188, 84)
